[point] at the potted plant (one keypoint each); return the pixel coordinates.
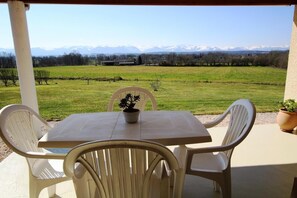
(287, 116)
(127, 104)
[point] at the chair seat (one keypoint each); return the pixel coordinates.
(209, 162)
(48, 169)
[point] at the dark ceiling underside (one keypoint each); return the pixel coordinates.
(165, 2)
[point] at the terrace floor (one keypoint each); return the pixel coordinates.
(264, 165)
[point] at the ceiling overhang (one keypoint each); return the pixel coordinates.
(166, 2)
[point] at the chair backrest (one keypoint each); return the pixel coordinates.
(20, 128)
(242, 117)
(122, 168)
(145, 97)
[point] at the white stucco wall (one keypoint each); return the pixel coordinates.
(291, 81)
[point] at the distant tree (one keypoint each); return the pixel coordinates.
(282, 61)
(171, 59)
(261, 61)
(274, 59)
(73, 59)
(14, 76)
(5, 76)
(139, 60)
(278, 58)
(7, 61)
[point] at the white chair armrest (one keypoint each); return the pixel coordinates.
(216, 121)
(45, 155)
(192, 151)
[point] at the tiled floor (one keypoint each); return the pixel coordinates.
(264, 165)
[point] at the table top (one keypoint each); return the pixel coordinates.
(165, 127)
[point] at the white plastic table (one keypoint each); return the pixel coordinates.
(165, 127)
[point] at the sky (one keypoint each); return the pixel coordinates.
(54, 26)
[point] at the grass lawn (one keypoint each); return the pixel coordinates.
(201, 90)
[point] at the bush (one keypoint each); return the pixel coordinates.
(7, 75)
(41, 75)
(156, 84)
(14, 76)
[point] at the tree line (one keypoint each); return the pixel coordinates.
(277, 59)
(10, 76)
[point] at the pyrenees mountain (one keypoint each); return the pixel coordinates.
(86, 50)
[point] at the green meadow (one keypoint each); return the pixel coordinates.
(201, 90)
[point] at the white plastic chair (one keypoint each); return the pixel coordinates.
(145, 97)
(214, 162)
(123, 169)
(20, 128)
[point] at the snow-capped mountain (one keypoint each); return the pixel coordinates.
(85, 50)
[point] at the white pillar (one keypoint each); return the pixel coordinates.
(291, 81)
(17, 12)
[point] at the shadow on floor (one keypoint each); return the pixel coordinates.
(271, 181)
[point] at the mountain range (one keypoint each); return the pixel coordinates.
(86, 50)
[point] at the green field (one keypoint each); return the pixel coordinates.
(201, 90)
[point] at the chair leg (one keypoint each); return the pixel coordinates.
(226, 185)
(165, 187)
(294, 189)
(34, 191)
(84, 186)
(51, 190)
(216, 186)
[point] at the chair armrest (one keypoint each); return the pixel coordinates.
(45, 155)
(216, 121)
(192, 151)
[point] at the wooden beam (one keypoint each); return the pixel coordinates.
(165, 2)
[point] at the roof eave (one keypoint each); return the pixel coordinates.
(166, 2)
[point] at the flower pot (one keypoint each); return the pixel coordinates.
(286, 120)
(131, 116)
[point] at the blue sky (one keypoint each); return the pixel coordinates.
(53, 26)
